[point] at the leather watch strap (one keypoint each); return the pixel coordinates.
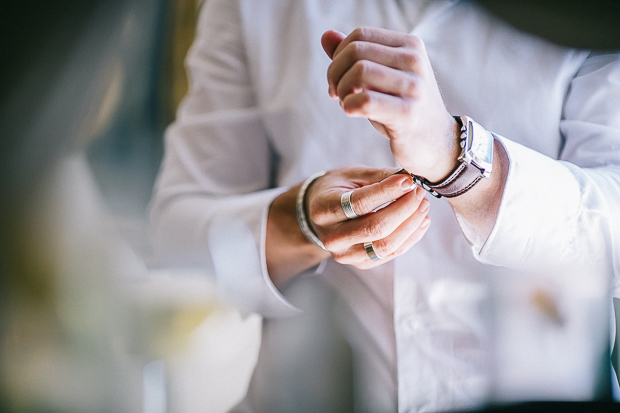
(461, 180)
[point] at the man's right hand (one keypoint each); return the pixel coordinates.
(393, 229)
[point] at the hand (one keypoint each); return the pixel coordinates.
(393, 229)
(387, 77)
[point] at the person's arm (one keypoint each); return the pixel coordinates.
(387, 77)
(212, 193)
(534, 212)
(213, 207)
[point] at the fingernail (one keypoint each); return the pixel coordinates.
(425, 223)
(407, 185)
(420, 193)
(424, 206)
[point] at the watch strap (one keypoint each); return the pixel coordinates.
(461, 180)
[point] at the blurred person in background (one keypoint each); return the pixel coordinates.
(529, 179)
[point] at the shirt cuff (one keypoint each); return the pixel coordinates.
(237, 248)
(277, 305)
(537, 212)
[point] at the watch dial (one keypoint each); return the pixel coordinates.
(481, 148)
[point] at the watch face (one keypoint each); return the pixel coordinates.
(480, 146)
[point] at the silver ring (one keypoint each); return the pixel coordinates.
(347, 208)
(372, 254)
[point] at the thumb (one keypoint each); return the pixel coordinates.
(330, 41)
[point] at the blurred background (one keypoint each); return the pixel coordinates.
(88, 320)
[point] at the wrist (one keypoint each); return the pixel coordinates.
(288, 251)
(447, 154)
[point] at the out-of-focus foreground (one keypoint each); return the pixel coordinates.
(87, 321)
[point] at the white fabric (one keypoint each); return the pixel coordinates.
(258, 115)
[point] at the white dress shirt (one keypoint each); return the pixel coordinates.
(435, 325)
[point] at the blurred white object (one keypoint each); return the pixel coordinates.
(201, 352)
(212, 373)
(548, 341)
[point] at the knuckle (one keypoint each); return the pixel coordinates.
(377, 229)
(363, 203)
(407, 107)
(384, 247)
(415, 42)
(360, 33)
(364, 103)
(361, 68)
(409, 86)
(358, 104)
(355, 50)
(409, 59)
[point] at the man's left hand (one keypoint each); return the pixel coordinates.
(387, 77)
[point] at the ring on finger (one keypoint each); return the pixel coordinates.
(347, 207)
(372, 254)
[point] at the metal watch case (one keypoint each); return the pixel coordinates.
(477, 144)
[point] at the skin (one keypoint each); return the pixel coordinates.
(393, 229)
(386, 77)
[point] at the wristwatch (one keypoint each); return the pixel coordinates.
(475, 162)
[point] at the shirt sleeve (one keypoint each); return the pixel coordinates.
(565, 214)
(213, 191)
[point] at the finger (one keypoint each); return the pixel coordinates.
(330, 41)
(370, 197)
(358, 257)
(323, 197)
(376, 106)
(411, 241)
(389, 245)
(380, 36)
(407, 60)
(366, 75)
(375, 226)
(415, 237)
